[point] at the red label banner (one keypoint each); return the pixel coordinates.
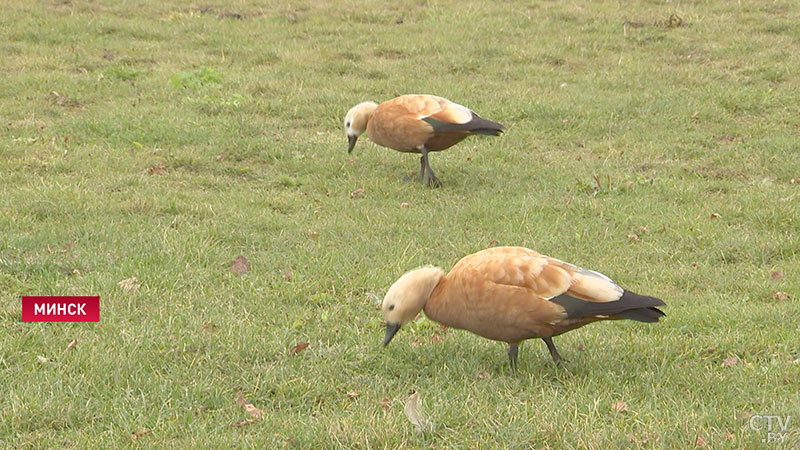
(60, 309)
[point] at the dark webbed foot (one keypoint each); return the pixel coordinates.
(426, 172)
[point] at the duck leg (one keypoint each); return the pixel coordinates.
(552, 348)
(430, 177)
(421, 168)
(513, 349)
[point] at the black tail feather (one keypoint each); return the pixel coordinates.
(477, 125)
(629, 306)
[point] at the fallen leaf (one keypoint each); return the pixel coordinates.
(412, 412)
(701, 441)
(72, 344)
(240, 265)
(288, 274)
(218, 157)
(778, 295)
(313, 234)
(158, 169)
(248, 407)
(715, 215)
(619, 406)
(140, 433)
(209, 327)
(730, 362)
(129, 285)
(484, 375)
(42, 359)
(777, 275)
(385, 402)
(405, 205)
(352, 394)
(299, 348)
(633, 237)
(253, 411)
(357, 193)
(709, 350)
(244, 423)
(794, 181)
(580, 347)
(437, 338)
(643, 230)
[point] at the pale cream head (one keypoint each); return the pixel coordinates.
(407, 296)
(355, 122)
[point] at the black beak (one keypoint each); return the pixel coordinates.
(351, 143)
(391, 329)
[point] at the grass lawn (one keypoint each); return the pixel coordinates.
(655, 142)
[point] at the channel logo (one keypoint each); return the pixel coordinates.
(60, 309)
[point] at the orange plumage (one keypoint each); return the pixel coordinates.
(416, 124)
(511, 294)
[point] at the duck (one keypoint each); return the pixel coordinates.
(511, 294)
(416, 124)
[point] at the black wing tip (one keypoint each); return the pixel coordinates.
(641, 300)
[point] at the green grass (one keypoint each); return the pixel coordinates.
(160, 140)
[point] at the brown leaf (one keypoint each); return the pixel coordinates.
(42, 359)
(385, 402)
(357, 193)
(352, 394)
(643, 230)
(313, 234)
(158, 169)
(701, 441)
(484, 375)
(288, 274)
(619, 406)
(794, 181)
(138, 434)
(248, 407)
(72, 344)
(253, 411)
(218, 157)
(715, 215)
(730, 362)
(777, 275)
(405, 205)
(244, 423)
(209, 327)
(633, 237)
(778, 295)
(299, 348)
(580, 347)
(129, 285)
(240, 265)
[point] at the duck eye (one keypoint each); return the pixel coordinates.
(347, 124)
(391, 307)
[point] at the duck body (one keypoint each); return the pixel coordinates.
(511, 294)
(417, 124)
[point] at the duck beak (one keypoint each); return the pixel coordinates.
(351, 143)
(391, 329)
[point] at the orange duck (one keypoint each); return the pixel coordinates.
(511, 294)
(416, 124)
